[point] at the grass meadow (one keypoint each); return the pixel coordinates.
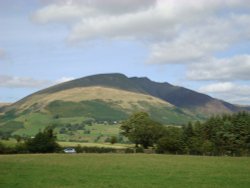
(123, 170)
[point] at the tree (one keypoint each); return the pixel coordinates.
(140, 129)
(171, 141)
(18, 138)
(113, 140)
(44, 142)
(2, 148)
(207, 147)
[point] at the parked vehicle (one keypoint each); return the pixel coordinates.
(69, 150)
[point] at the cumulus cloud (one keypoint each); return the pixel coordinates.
(199, 42)
(21, 82)
(217, 87)
(120, 7)
(64, 79)
(235, 68)
(8, 81)
(73, 10)
(232, 92)
(159, 15)
(62, 13)
(175, 31)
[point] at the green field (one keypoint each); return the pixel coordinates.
(30, 124)
(123, 170)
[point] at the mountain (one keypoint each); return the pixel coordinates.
(177, 96)
(108, 98)
(184, 98)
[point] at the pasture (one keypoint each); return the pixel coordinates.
(123, 170)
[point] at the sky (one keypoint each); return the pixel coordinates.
(203, 45)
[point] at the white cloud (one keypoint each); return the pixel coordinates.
(235, 68)
(62, 13)
(120, 7)
(8, 81)
(217, 87)
(141, 25)
(176, 23)
(165, 17)
(64, 79)
(21, 82)
(201, 40)
(175, 31)
(69, 10)
(233, 92)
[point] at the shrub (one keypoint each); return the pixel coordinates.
(129, 150)
(139, 150)
(44, 142)
(2, 148)
(113, 140)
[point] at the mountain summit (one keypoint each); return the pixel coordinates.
(104, 100)
(115, 96)
(177, 96)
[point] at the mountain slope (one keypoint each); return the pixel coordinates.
(124, 99)
(184, 98)
(178, 96)
(70, 110)
(105, 98)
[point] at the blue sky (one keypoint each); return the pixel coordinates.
(200, 45)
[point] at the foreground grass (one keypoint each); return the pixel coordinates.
(123, 170)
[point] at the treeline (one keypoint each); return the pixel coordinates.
(94, 149)
(219, 135)
(43, 142)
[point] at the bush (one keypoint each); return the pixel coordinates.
(6, 150)
(139, 150)
(129, 150)
(44, 142)
(113, 140)
(21, 148)
(2, 148)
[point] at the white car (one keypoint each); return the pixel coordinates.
(69, 150)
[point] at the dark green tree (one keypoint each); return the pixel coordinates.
(141, 129)
(113, 139)
(171, 141)
(43, 142)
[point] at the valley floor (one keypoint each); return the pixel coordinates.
(123, 170)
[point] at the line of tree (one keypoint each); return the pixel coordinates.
(219, 135)
(43, 142)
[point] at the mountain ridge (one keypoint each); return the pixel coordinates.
(178, 96)
(106, 98)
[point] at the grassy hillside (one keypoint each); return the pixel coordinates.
(178, 96)
(75, 128)
(105, 98)
(67, 128)
(124, 99)
(123, 170)
(73, 108)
